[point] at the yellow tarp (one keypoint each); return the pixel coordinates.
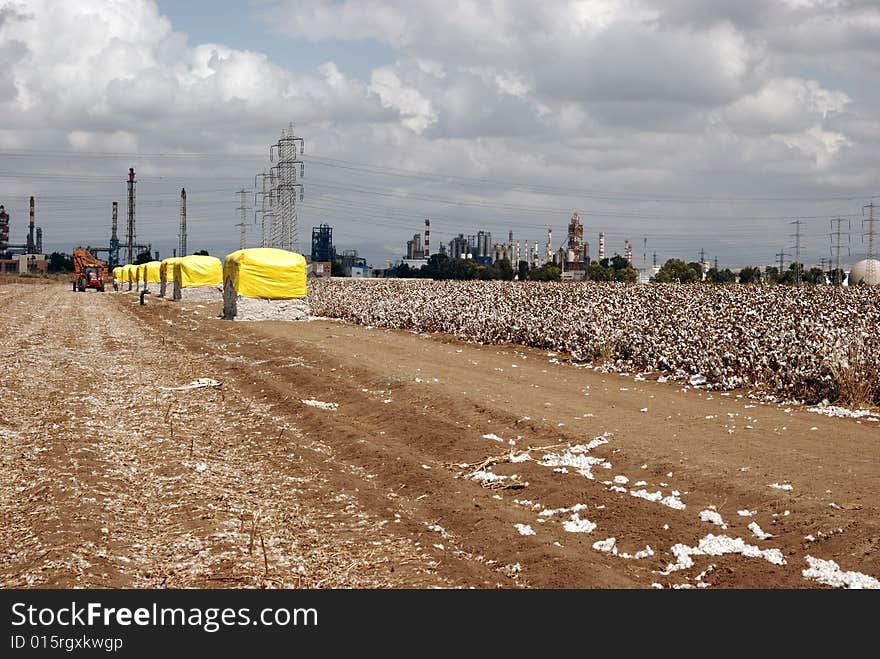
(151, 270)
(263, 272)
(198, 270)
(139, 272)
(167, 267)
(117, 273)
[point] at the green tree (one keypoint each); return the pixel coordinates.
(771, 274)
(595, 272)
(836, 276)
(523, 270)
(815, 277)
(145, 257)
(678, 272)
(790, 276)
(486, 272)
(618, 262)
(628, 275)
(503, 270)
(724, 276)
(750, 275)
(60, 262)
(548, 272)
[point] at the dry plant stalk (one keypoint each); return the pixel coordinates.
(857, 375)
(265, 557)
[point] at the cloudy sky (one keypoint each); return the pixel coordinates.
(694, 124)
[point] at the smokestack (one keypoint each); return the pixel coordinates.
(131, 233)
(510, 238)
(627, 251)
(113, 236)
(40, 240)
(601, 245)
(427, 237)
(549, 245)
(31, 245)
(181, 234)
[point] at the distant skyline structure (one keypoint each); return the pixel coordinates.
(181, 232)
(289, 168)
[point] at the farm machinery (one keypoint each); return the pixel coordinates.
(88, 271)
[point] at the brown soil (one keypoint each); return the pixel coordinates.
(109, 480)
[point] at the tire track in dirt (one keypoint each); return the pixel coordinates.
(109, 481)
(410, 446)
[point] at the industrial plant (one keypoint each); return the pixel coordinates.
(24, 258)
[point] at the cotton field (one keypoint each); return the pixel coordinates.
(809, 343)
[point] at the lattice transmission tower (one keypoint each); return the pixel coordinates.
(287, 170)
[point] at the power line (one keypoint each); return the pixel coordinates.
(837, 246)
(243, 209)
(797, 251)
(440, 177)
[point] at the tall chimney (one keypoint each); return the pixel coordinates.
(601, 245)
(113, 235)
(427, 237)
(549, 245)
(31, 245)
(627, 251)
(130, 232)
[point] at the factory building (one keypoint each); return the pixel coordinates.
(24, 258)
(322, 244)
(458, 247)
(414, 249)
(577, 256)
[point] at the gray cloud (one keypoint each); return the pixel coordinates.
(645, 107)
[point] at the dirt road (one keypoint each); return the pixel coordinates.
(415, 461)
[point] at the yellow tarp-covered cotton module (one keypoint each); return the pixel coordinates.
(152, 271)
(198, 270)
(117, 273)
(167, 267)
(263, 272)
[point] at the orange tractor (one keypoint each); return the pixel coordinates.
(88, 271)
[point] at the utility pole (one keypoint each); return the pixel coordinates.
(797, 251)
(130, 233)
(263, 194)
(655, 259)
(288, 150)
(114, 237)
(782, 256)
(243, 209)
(870, 233)
(181, 234)
(702, 256)
(837, 245)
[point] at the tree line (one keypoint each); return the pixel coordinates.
(677, 271)
(440, 266)
(617, 268)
